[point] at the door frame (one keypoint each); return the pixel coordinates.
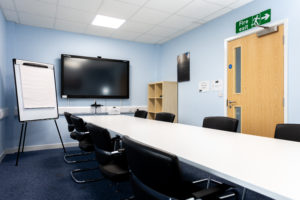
(285, 57)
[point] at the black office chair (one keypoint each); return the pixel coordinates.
(141, 113)
(112, 162)
(156, 175)
(85, 143)
(80, 133)
(221, 123)
(164, 116)
(288, 132)
(75, 135)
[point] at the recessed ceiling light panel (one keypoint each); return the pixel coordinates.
(109, 22)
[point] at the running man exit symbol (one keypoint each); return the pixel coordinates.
(253, 21)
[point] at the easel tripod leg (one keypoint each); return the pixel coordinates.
(25, 131)
(62, 143)
(21, 134)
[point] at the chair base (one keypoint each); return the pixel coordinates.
(66, 156)
(73, 172)
(231, 191)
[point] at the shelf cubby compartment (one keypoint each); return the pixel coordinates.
(151, 90)
(158, 105)
(158, 90)
(151, 104)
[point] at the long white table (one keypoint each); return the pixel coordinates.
(268, 166)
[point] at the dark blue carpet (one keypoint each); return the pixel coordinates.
(43, 175)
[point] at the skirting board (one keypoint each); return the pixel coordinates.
(38, 148)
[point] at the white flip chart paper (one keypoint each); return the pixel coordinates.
(38, 87)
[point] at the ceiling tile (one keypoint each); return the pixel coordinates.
(181, 32)
(70, 26)
(179, 22)
(85, 5)
(11, 15)
(169, 6)
(217, 14)
(35, 20)
(222, 2)
(36, 7)
(74, 15)
(240, 3)
(99, 31)
(164, 40)
(125, 35)
(136, 2)
(149, 21)
(148, 38)
(7, 4)
(149, 16)
(199, 9)
(191, 27)
(162, 31)
(136, 27)
(113, 8)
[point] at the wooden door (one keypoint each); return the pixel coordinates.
(256, 82)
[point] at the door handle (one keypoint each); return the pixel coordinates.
(231, 102)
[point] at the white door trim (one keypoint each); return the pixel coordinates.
(255, 30)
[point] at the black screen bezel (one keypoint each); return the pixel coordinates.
(62, 92)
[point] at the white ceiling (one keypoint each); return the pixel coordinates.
(149, 21)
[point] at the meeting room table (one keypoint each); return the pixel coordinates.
(265, 165)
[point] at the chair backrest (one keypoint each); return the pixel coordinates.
(102, 142)
(141, 113)
(164, 116)
(69, 121)
(79, 124)
(154, 168)
(288, 132)
(221, 123)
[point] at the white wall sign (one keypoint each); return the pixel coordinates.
(217, 85)
(204, 86)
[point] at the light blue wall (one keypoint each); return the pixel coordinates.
(206, 45)
(45, 45)
(2, 79)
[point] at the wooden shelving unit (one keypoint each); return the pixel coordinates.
(162, 97)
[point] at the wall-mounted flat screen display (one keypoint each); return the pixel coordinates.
(88, 77)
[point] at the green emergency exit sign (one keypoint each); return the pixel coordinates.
(251, 22)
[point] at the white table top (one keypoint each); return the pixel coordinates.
(265, 165)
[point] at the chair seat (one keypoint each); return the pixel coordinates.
(86, 145)
(114, 172)
(79, 136)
